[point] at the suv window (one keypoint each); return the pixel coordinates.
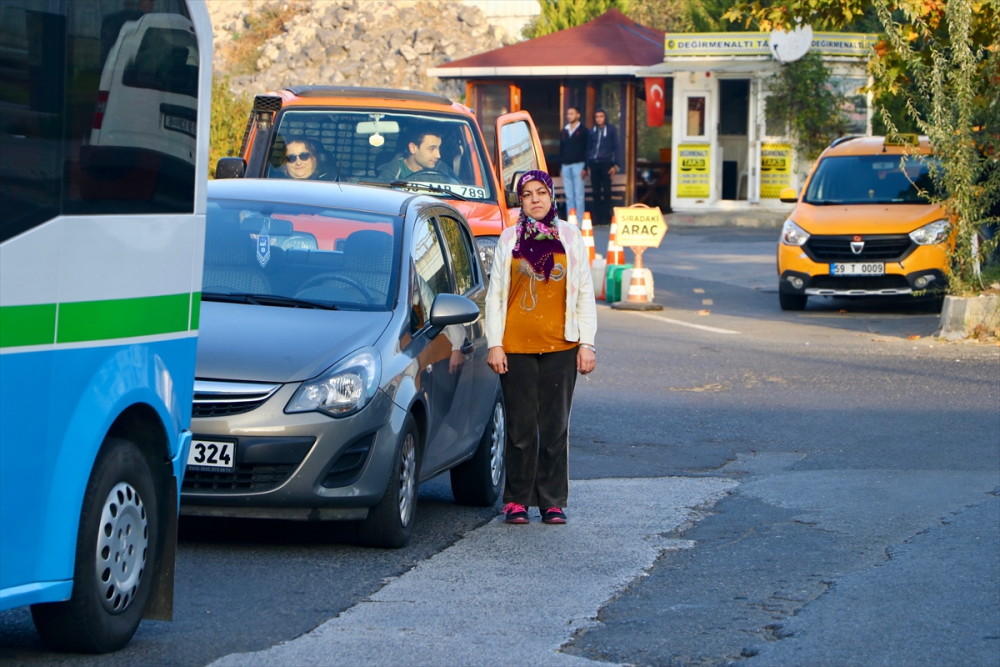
(363, 145)
(460, 250)
(869, 179)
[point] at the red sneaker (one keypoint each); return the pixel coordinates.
(554, 515)
(514, 513)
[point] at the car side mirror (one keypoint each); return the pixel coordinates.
(513, 201)
(230, 167)
(788, 196)
(449, 309)
(512, 197)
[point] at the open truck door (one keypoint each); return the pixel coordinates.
(518, 150)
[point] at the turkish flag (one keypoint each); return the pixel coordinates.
(655, 102)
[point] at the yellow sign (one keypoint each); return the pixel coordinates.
(639, 227)
(775, 169)
(694, 162)
(758, 44)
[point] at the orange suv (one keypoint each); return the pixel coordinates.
(862, 227)
(400, 139)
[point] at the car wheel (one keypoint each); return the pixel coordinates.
(116, 553)
(792, 301)
(479, 481)
(390, 523)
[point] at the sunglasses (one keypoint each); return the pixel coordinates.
(301, 156)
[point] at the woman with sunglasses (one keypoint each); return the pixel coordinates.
(301, 160)
(541, 319)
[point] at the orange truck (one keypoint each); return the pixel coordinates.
(400, 139)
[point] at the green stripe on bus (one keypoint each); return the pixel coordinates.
(123, 318)
(27, 325)
(195, 310)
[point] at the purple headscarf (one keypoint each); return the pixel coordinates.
(538, 240)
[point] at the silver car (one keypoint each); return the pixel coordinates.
(341, 358)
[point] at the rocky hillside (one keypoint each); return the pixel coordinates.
(352, 42)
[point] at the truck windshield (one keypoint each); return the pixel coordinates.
(870, 179)
(364, 145)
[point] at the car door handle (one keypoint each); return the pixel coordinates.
(469, 348)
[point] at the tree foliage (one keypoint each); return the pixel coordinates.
(229, 121)
(561, 14)
(936, 68)
(803, 100)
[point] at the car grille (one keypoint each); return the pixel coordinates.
(877, 248)
(221, 399)
(244, 478)
(867, 283)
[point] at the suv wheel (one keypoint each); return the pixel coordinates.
(792, 301)
(479, 481)
(116, 551)
(389, 524)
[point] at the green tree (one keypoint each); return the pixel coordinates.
(561, 14)
(941, 58)
(228, 122)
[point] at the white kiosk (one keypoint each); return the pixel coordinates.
(725, 156)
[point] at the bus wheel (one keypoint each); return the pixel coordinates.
(116, 551)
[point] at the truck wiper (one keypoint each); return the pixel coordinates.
(406, 185)
(267, 300)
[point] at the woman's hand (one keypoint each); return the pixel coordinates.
(497, 360)
(586, 360)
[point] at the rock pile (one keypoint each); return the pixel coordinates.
(360, 43)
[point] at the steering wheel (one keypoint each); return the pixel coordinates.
(347, 280)
(431, 176)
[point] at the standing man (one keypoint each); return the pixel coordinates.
(573, 157)
(602, 164)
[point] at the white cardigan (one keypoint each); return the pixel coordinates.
(581, 309)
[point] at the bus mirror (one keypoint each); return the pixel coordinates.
(230, 167)
(787, 196)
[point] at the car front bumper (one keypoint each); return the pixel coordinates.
(286, 464)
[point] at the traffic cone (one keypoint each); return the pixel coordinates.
(616, 254)
(638, 293)
(572, 217)
(588, 238)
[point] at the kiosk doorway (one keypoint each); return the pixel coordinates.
(734, 140)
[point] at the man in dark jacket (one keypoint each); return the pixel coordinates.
(573, 158)
(602, 164)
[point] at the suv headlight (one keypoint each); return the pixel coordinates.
(346, 388)
(931, 233)
(792, 234)
(487, 246)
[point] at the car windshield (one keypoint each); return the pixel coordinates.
(368, 146)
(290, 255)
(869, 179)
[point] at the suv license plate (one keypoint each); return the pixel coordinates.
(179, 124)
(857, 269)
(211, 455)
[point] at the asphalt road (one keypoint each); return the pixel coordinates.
(860, 522)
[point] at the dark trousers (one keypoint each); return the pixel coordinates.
(538, 396)
(600, 181)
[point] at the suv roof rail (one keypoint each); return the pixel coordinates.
(840, 140)
(378, 93)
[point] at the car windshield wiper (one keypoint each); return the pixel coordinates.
(406, 185)
(267, 300)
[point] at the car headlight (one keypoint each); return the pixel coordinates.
(344, 389)
(931, 233)
(487, 246)
(792, 234)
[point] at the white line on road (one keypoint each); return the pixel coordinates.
(687, 324)
(510, 595)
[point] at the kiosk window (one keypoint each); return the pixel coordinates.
(696, 117)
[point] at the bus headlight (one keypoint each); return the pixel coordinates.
(931, 233)
(344, 389)
(792, 234)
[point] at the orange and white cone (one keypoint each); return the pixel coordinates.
(572, 217)
(616, 254)
(588, 238)
(637, 292)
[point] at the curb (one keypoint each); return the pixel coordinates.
(758, 219)
(961, 316)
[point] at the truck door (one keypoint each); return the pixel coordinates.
(518, 149)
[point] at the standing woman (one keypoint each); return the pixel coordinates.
(540, 324)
